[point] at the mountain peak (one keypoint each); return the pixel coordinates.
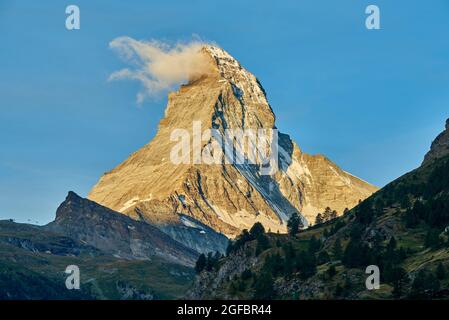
(221, 58)
(71, 195)
(226, 196)
(112, 232)
(439, 147)
(245, 85)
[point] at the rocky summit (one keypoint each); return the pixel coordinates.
(439, 147)
(227, 197)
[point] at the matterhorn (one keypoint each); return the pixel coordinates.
(226, 196)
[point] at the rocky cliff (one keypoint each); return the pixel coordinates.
(116, 234)
(227, 197)
(439, 147)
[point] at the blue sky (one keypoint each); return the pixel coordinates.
(371, 101)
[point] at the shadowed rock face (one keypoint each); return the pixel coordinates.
(115, 233)
(226, 197)
(196, 235)
(439, 147)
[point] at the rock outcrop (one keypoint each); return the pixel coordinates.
(439, 147)
(115, 233)
(227, 197)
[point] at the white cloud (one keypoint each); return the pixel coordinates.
(159, 66)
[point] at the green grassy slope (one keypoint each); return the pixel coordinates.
(29, 271)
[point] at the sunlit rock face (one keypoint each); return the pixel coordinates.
(227, 197)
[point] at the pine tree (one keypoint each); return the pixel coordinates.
(314, 245)
(263, 287)
(333, 215)
(433, 239)
(262, 244)
(200, 263)
(209, 262)
(356, 254)
(306, 264)
(294, 224)
(390, 253)
(337, 250)
(319, 219)
(379, 205)
(243, 238)
(405, 202)
(399, 280)
(392, 244)
(441, 271)
(256, 230)
(327, 214)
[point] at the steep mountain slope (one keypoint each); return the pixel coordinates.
(226, 197)
(403, 229)
(196, 235)
(114, 233)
